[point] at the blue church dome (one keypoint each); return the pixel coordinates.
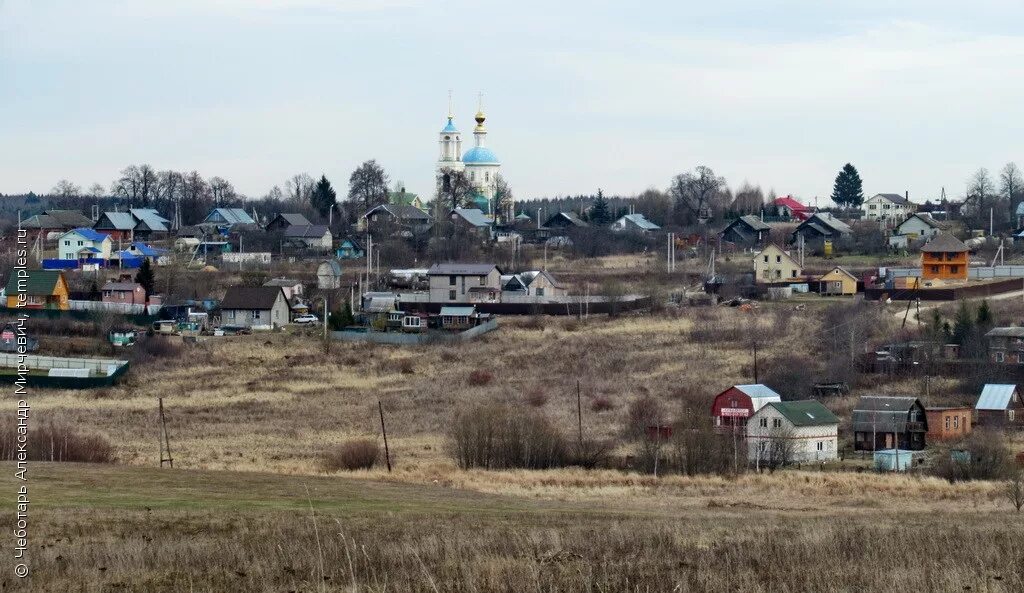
(480, 155)
(450, 128)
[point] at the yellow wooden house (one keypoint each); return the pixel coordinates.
(38, 289)
(837, 281)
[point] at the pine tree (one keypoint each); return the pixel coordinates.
(963, 324)
(984, 316)
(145, 277)
(343, 319)
(599, 213)
(848, 190)
(323, 197)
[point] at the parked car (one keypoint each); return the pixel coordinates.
(306, 319)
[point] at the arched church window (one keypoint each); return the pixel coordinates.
(447, 137)
(487, 176)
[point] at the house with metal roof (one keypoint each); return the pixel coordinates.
(1000, 406)
(634, 222)
(747, 231)
(287, 219)
(227, 218)
(84, 243)
(400, 217)
(885, 422)
(255, 307)
(731, 408)
(538, 284)
(405, 198)
(565, 220)
(474, 220)
(821, 226)
(916, 227)
(788, 207)
(349, 248)
(118, 225)
(56, 221)
(887, 207)
(317, 237)
(38, 289)
(149, 222)
(783, 433)
(464, 283)
(837, 281)
(458, 318)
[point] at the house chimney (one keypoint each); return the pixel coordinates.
(906, 195)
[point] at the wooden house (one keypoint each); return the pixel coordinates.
(55, 221)
(124, 292)
(473, 220)
(317, 237)
(287, 219)
(820, 227)
(916, 227)
(772, 264)
(452, 283)
(254, 307)
(1000, 406)
(39, 289)
(806, 430)
(1005, 345)
(565, 220)
(946, 424)
(349, 248)
(119, 225)
(731, 408)
(944, 258)
(636, 223)
(394, 216)
(837, 282)
(457, 318)
(881, 422)
(747, 231)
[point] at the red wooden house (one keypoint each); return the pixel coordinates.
(731, 408)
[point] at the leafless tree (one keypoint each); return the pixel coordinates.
(1015, 490)
(222, 191)
(749, 199)
(65, 190)
(502, 199)
(454, 190)
(981, 192)
(195, 198)
(97, 191)
(298, 188)
(781, 448)
(1011, 185)
(655, 205)
(695, 194)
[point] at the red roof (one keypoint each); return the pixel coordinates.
(799, 210)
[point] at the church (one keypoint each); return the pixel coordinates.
(479, 163)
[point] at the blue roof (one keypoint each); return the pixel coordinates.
(641, 222)
(480, 155)
(759, 390)
(457, 311)
(147, 250)
(450, 128)
(474, 216)
(995, 396)
(90, 234)
(121, 221)
(91, 250)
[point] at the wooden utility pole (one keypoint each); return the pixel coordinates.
(164, 439)
(579, 414)
(384, 431)
(755, 363)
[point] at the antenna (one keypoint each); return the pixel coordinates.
(450, 112)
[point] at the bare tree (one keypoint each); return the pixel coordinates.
(195, 198)
(1015, 490)
(781, 449)
(749, 199)
(298, 189)
(97, 191)
(454, 190)
(1011, 185)
(655, 205)
(168, 190)
(222, 191)
(65, 190)
(502, 200)
(695, 194)
(981, 192)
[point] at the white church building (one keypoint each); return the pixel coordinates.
(480, 163)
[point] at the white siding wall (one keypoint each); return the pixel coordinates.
(807, 439)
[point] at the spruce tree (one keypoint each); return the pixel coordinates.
(599, 212)
(323, 197)
(984, 316)
(963, 324)
(848, 190)
(145, 277)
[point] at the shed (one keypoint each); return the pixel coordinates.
(893, 460)
(838, 281)
(457, 317)
(1000, 406)
(731, 408)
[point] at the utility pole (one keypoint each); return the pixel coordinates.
(384, 431)
(579, 414)
(164, 440)
(755, 363)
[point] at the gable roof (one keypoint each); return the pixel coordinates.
(38, 283)
(758, 390)
(1006, 332)
(883, 413)
(400, 211)
(457, 311)
(754, 222)
(291, 219)
(57, 219)
(828, 221)
(995, 396)
(640, 221)
(924, 217)
(308, 231)
(473, 216)
(566, 218)
(147, 250)
(805, 412)
(230, 216)
(403, 197)
(89, 234)
(252, 297)
(461, 269)
(781, 251)
(121, 286)
(289, 282)
(894, 198)
(149, 218)
(790, 203)
(840, 270)
(944, 243)
(118, 221)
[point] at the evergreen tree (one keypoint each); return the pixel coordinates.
(145, 277)
(984, 316)
(323, 197)
(599, 212)
(342, 319)
(963, 324)
(848, 190)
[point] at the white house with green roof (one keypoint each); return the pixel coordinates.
(805, 430)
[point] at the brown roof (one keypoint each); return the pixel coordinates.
(251, 297)
(944, 243)
(121, 286)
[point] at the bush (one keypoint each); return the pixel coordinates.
(643, 413)
(982, 456)
(352, 455)
(55, 441)
(499, 437)
(602, 403)
(536, 397)
(480, 377)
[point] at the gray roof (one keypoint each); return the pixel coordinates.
(121, 286)
(895, 198)
(293, 218)
(828, 220)
(473, 216)
(309, 231)
(400, 211)
(58, 219)
(944, 243)
(457, 311)
(995, 396)
(640, 221)
(757, 390)
(289, 282)
(753, 222)
(461, 269)
(884, 414)
(119, 221)
(1006, 332)
(567, 217)
(232, 215)
(251, 297)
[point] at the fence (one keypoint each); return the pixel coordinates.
(120, 308)
(572, 305)
(400, 339)
(103, 366)
(973, 273)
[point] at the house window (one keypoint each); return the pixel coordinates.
(956, 423)
(954, 269)
(1010, 415)
(935, 269)
(1000, 356)
(778, 259)
(255, 314)
(871, 207)
(451, 280)
(821, 445)
(776, 423)
(67, 243)
(80, 243)
(483, 280)
(766, 259)
(764, 447)
(764, 423)
(947, 422)
(540, 292)
(451, 295)
(794, 273)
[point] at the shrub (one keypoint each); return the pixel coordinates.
(643, 413)
(480, 377)
(406, 366)
(352, 455)
(602, 403)
(983, 456)
(499, 437)
(536, 397)
(55, 441)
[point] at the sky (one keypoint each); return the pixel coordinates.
(579, 95)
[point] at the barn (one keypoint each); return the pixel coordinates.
(731, 408)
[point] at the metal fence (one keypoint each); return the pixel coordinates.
(121, 308)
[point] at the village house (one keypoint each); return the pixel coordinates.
(124, 291)
(820, 227)
(458, 318)
(255, 307)
(349, 248)
(143, 251)
(881, 422)
(1005, 345)
(1000, 406)
(119, 225)
(792, 432)
(56, 221)
(292, 288)
(43, 289)
(637, 223)
(916, 227)
(148, 223)
(944, 258)
(83, 243)
(747, 231)
(538, 284)
(772, 264)
(456, 283)
(224, 220)
(946, 424)
(787, 207)
(407, 218)
(731, 408)
(404, 198)
(888, 208)
(287, 219)
(565, 220)
(316, 237)
(474, 220)
(837, 281)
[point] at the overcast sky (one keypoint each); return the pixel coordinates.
(579, 95)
